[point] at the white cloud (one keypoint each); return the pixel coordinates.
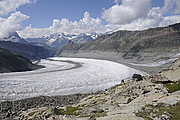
(126, 12)
(12, 23)
(124, 15)
(7, 6)
(154, 19)
(169, 20)
(85, 25)
(171, 6)
(139, 14)
(177, 9)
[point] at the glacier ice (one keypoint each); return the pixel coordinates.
(94, 75)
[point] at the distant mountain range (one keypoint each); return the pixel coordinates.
(128, 44)
(59, 40)
(37, 48)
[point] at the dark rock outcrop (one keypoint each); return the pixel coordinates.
(138, 77)
(11, 62)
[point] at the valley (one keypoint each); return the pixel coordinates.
(90, 60)
(90, 75)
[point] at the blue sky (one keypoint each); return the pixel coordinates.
(43, 12)
(37, 18)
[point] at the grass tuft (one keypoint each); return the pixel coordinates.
(158, 110)
(69, 111)
(172, 87)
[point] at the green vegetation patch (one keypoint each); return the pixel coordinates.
(69, 111)
(172, 87)
(149, 111)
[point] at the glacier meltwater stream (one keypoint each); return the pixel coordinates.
(63, 76)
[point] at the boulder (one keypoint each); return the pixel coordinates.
(138, 77)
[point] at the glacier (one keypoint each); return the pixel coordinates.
(61, 77)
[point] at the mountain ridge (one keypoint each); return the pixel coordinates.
(131, 43)
(60, 39)
(19, 45)
(139, 47)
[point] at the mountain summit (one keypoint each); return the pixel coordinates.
(14, 37)
(59, 40)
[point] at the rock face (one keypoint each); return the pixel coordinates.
(130, 44)
(71, 47)
(11, 62)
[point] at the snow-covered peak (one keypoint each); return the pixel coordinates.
(71, 36)
(59, 39)
(13, 37)
(93, 35)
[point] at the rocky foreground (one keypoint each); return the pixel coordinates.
(155, 97)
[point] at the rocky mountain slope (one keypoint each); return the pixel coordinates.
(151, 44)
(19, 45)
(26, 50)
(153, 98)
(11, 62)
